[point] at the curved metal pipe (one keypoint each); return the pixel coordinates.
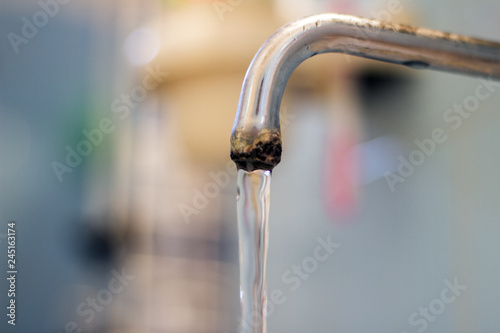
(256, 136)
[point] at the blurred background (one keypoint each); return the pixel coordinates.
(115, 119)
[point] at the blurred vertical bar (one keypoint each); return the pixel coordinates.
(183, 278)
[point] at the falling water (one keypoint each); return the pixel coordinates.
(253, 212)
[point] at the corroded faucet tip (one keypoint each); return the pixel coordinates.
(261, 151)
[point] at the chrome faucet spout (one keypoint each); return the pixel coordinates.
(256, 136)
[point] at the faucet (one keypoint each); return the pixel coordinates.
(256, 135)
